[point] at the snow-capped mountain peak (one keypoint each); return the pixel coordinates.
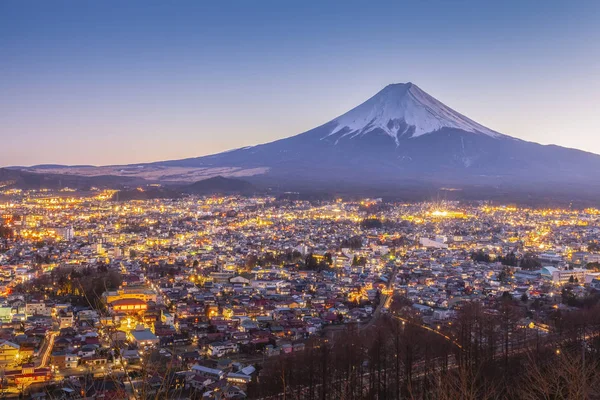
(404, 110)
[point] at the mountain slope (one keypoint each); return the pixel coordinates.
(402, 135)
(404, 111)
(400, 138)
(17, 179)
(220, 185)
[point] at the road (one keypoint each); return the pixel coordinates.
(385, 300)
(427, 328)
(47, 349)
(384, 303)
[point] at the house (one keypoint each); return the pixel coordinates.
(299, 347)
(28, 374)
(219, 349)
(6, 313)
(87, 350)
(561, 277)
(63, 360)
(441, 315)
(238, 378)
(38, 308)
(118, 336)
(144, 337)
(228, 392)
(233, 392)
(167, 318)
(426, 242)
(212, 373)
(131, 356)
(239, 280)
(134, 292)
(128, 305)
(9, 351)
(65, 320)
(198, 382)
(94, 360)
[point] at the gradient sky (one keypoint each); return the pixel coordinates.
(112, 82)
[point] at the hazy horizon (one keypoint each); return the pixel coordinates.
(111, 83)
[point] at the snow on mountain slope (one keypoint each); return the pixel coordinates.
(404, 110)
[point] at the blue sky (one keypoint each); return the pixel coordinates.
(110, 82)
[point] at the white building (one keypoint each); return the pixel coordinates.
(66, 233)
(426, 242)
(219, 349)
(563, 276)
(38, 309)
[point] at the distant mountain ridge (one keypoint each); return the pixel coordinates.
(401, 137)
(221, 185)
(402, 134)
(18, 179)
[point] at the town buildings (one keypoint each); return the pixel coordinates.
(93, 286)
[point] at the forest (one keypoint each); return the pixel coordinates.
(485, 353)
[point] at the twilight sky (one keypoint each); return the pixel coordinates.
(113, 82)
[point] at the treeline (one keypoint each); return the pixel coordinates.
(6, 232)
(377, 223)
(310, 261)
(80, 287)
(354, 242)
(529, 261)
(483, 354)
(371, 223)
(318, 264)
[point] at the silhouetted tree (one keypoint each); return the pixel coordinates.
(530, 262)
(480, 256)
(510, 259)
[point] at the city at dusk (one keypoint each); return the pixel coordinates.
(287, 201)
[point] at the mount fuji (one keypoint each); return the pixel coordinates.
(404, 135)
(401, 137)
(404, 110)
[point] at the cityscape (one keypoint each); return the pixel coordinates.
(314, 200)
(205, 297)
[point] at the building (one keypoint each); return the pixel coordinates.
(219, 349)
(167, 318)
(66, 233)
(63, 360)
(143, 293)
(65, 319)
(237, 378)
(426, 242)
(239, 280)
(38, 308)
(221, 277)
(144, 337)
(29, 374)
(208, 372)
(6, 313)
(128, 305)
(583, 257)
(563, 276)
(9, 351)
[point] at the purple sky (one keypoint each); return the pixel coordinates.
(115, 82)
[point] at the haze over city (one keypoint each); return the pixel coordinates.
(118, 83)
